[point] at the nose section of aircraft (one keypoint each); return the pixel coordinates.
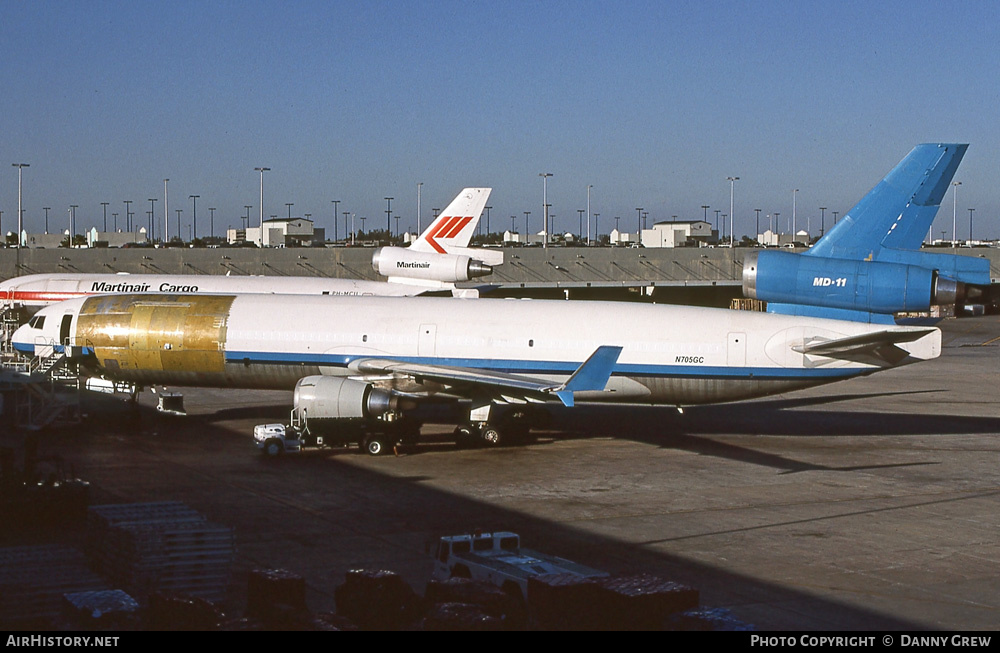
(22, 340)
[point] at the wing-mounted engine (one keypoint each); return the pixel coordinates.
(338, 398)
(866, 286)
(406, 265)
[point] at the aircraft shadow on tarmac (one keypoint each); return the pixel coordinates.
(410, 504)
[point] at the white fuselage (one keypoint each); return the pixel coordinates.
(670, 354)
(37, 290)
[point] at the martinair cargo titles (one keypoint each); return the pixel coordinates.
(434, 262)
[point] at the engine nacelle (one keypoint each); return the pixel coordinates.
(868, 286)
(430, 266)
(334, 397)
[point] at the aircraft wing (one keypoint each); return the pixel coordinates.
(592, 375)
(878, 345)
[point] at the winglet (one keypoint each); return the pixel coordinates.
(592, 375)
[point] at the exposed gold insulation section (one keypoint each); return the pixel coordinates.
(156, 332)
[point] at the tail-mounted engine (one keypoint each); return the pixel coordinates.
(868, 286)
(400, 262)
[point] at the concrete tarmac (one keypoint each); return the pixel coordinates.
(870, 504)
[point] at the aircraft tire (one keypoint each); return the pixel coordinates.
(273, 447)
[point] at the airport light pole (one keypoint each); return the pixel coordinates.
(72, 223)
(179, 236)
(732, 190)
(757, 228)
(335, 203)
(46, 209)
(246, 220)
(822, 221)
(115, 217)
(20, 215)
(970, 226)
(526, 214)
(104, 204)
(347, 213)
(419, 187)
(794, 191)
(835, 218)
(396, 217)
(580, 211)
(589, 186)
(597, 227)
(194, 216)
(545, 209)
(166, 214)
(717, 212)
(128, 215)
(705, 207)
(260, 236)
(152, 211)
(488, 220)
(211, 221)
(388, 219)
(954, 213)
(639, 234)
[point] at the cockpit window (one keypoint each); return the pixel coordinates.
(37, 322)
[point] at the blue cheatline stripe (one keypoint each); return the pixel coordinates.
(29, 348)
(546, 367)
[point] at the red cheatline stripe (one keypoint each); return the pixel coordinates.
(44, 295)
(458, 227)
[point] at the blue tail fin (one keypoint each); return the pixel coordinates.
(897, 213)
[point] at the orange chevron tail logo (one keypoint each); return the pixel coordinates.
(449, 227)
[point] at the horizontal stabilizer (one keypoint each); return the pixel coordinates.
(880, 345)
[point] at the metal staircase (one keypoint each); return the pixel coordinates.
(39, 392)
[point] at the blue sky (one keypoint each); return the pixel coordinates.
(654, 104)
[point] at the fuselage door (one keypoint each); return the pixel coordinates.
(736, 352)
(426, 340)
(64, 328)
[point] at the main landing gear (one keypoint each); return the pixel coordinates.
(499, 428)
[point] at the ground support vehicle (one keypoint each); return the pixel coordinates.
(498, 558)
(376, 440)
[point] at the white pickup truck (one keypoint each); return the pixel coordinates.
(498, 558)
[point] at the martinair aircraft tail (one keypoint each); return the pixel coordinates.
(897, 213)
(440, 257)
(453, 228)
